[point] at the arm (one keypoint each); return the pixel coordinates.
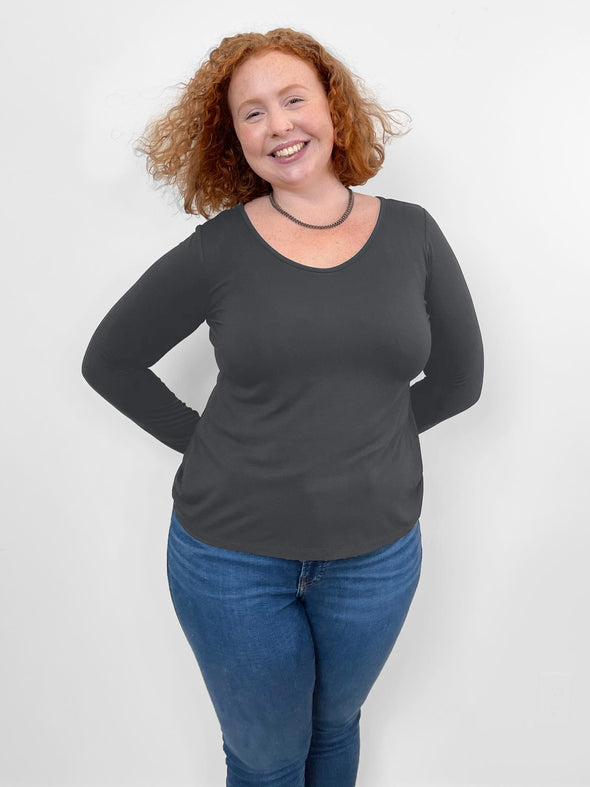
(454, 371)
(166, 304)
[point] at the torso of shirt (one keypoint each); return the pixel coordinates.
(308, 446)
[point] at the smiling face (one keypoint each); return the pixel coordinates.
(277, 104)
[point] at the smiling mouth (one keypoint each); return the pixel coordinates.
(286, 152)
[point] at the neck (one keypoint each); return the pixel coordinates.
(315, 203)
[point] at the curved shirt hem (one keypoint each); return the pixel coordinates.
(341, 554)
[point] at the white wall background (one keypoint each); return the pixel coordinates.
(489, 681)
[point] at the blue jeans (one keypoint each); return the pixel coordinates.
(290, 649)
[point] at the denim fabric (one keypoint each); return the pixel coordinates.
(289, 650)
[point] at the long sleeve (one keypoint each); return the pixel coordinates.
(454, 371)
(166, 304)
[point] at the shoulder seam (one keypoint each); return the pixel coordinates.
(200, 262)
(426, 244)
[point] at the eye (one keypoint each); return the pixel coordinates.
(291, 100)
(252, 114)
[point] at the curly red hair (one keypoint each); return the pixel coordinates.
(195, 148)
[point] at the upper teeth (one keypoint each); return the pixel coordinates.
(289, 151)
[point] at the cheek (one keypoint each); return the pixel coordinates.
(249, 140)
(329, 130)
(328, 124)
(252, 148)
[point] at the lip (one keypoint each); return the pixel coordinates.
(285, 162)
(287, 145)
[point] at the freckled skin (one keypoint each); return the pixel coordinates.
(276, 116)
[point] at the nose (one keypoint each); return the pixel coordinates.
(279, 123)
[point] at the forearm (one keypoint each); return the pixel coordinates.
(139, 394)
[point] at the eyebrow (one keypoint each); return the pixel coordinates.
(259, 100)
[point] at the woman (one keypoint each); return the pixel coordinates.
(294, 547)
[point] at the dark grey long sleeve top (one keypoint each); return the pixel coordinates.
(308, 446)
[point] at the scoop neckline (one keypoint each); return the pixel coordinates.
(242, 211)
